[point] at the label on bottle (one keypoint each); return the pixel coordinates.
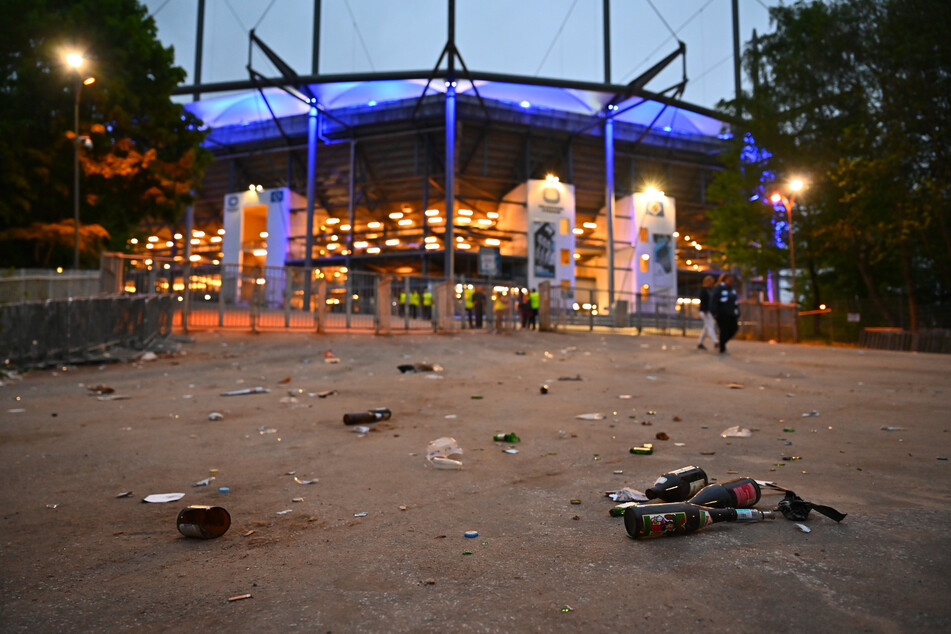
(746, 515)
(660, 480)
(745, 494)
(705, 519)
(682, 470)
(659, 524)
(695, 487)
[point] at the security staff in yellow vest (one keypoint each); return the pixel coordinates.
(402, 304)
(414, 304)
(534, 301)
(467, 296)
(427, 304)
(499, 308)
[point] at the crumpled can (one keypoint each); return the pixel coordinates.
(203, 522)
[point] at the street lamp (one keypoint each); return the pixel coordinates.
(795, 186)
(75, 61)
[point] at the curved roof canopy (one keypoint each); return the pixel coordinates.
(249, 107)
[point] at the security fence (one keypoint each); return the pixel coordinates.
(255, 298)
(76, 330)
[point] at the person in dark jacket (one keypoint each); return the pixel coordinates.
(709, 325)
(726, 309)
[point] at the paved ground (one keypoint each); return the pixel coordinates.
(77, 558)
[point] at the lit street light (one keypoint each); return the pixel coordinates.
(75, 61)
(795, 185)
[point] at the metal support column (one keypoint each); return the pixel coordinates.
(609, 202)
(309, 238)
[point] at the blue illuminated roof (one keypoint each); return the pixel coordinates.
(249, 107)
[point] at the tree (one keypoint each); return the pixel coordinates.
(145, 156)
(858, 94)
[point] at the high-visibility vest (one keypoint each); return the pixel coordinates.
(414, 298)
(499, 303)
(427, 298)
(468, 297)
(534, 300)
(402, 297)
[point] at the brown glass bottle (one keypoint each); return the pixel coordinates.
(680, 518)
(369, 416)
(741, 493)
(679, 485)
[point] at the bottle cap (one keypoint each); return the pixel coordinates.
(471, 534)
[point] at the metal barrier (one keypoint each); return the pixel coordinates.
(25, 285)
(62, 331)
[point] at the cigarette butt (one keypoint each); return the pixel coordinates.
(240, 597)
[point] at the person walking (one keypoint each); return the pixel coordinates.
(726, 309)
(709, 327)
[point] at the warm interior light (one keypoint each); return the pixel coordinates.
(460, 239)
(259, 252)
(392, 242)
(493, 242)
(332, 221)
(485, 222)
(589, 225)
(153, 238)
(195, 258)
(432, 245)
(405, 222)
(578, 231)
(345, 227)
(373, 250)
(463, 246)
(396, 215)
(89, 81)
(492, 214)
(551, 178)
(177, 236)
(429, 239)
(374, 225)
(360, 244)
(464, 221)
(432, 212)
(169, 243)
(645, 257)
(221, 232)
(215, 239)
(195, 241)
(465, 212)
(435, 220)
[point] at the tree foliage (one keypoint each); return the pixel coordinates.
(145, 155)
(854, 96)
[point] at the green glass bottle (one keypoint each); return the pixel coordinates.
(510, 437)
(680, 518)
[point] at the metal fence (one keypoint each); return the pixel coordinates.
(335, 299)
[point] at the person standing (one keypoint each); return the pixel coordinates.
(709, 328)
(467, 295)
(524, 310)
(726, 309)
(478, 305)
(499, 307)
(427, 304)
(534, 302)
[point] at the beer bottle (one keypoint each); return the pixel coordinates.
(510, 437)
(679, 485)
(369, 416)
(679, 518)
(741, 493)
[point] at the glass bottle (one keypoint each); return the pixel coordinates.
(679, 485)
(510, 437)
(741, 493)
(680, 518)
(369, 416)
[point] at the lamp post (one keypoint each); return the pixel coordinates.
(795, 185)
(75, 60)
